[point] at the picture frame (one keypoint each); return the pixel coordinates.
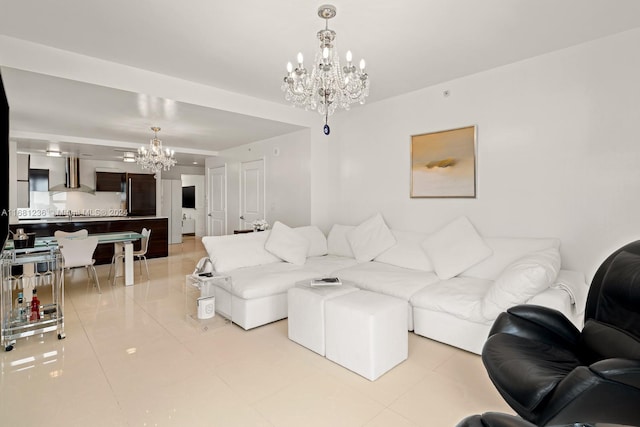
(443, 164)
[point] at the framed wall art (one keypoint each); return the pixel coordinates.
(443, 164)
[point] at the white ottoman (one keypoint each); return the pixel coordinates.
(366, 332)
(305, 305)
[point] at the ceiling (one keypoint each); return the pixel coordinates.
(88, 120)
(242, 48)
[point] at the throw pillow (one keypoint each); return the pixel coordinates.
(454, 248)
(370, 239)
(316, 238)
(505, 251)
(407, 252)
(337, 243)
(284, 242)
(520, 281)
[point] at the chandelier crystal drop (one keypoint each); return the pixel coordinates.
(154, 157)
(328, 86)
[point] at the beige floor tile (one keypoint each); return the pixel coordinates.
(387, 388)
(389, 418)
(428, 353)
(467, 368)
(439, 401)
(196, 400)
(255, 378)
(319, 400)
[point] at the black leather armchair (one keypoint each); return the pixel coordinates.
(550, 373)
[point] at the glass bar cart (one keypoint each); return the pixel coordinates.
(23, 270)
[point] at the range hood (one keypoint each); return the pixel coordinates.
(72, 178)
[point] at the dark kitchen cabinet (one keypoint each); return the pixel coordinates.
(141, 194)
(110, 181)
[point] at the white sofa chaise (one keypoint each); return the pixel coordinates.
(457, 310)
(260, 280)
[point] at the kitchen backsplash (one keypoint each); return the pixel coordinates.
(46, 204)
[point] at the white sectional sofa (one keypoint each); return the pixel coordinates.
(455, 282)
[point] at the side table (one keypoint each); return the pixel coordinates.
(200, 300)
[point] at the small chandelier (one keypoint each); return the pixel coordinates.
(328, 86)
(155, 158)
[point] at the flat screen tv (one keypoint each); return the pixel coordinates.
(189, 197)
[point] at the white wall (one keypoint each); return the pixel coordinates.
(558, 152)
(176, 172)
(287, 177)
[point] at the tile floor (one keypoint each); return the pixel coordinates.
(132, 358)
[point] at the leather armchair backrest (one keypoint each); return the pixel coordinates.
(615, 299)
(596, 283)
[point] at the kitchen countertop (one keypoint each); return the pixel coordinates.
(61, 219)
(47, 225)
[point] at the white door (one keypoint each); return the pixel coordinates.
(217, 216)
(251, 193)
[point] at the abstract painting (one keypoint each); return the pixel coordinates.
(443, 164)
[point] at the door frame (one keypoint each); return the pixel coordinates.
(210, 198)
(264, 188)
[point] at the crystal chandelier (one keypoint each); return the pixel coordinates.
(328, 86)
(154, 157)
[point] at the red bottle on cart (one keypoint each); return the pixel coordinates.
(35, 306)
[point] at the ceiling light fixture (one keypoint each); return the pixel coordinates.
(129, 157)
(53, 153)
(328, 86)
(155, 158)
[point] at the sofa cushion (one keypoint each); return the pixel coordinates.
(267, 280)
(370, 238)
(284, 242)
(327, 264)
(387, 279)
(458, 296)
(407, 252)
(337, 243)
(505, 251)
(455, 247)
(316, 238)
(234, 251)
(521, 280)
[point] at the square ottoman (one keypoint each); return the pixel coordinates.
(305, 305)
(366, 332)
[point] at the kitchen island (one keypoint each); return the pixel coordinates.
(158, 242)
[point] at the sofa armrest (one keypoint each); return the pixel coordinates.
(611, 383)
(537, 323)
(625, 371)
(230, 252)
